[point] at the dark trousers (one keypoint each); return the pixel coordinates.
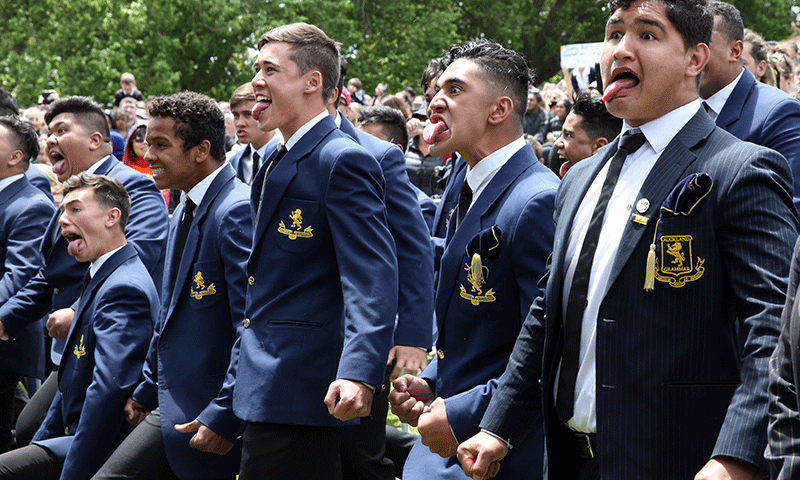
(35, 411)
(364, 445)
(290, 452)
(398, 446)
(8, 386)
(28, 463)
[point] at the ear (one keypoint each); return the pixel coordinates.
(698, 58)
(761, 69)
(95, 141)
(735, 51)
(313, 82)
(201, 151)
(598, 142)
(16, 158)
(503, 108)
(114, 215)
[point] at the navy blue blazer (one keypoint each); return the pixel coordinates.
(767, 116)
(58, 282)
(447, 205)
(39, 180)
(675, 386)
(427, 205)
(414, 253)
(24, 214)
(322, 285)
(206, 307)
(478, 325)
(107, 344)
(235, 159)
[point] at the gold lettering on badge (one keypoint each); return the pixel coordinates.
(476, 276)
(676, 266)
(201, 290)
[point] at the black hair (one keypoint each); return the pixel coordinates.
(86, 110)
(8, 106)
(196, 117)
(27, 140)
(392, 122)
(594, 116)
(691, 18)
(730, 20)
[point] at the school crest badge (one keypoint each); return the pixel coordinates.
(676, 264)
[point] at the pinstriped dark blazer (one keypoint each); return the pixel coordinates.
(675, 386)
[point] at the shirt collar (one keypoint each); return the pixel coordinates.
(9, 180)
(490, 164)
(718, 100)
(93, 168)
(198, 192)
(337, 119)
(95, 266)
(291, 141)
(661, 131)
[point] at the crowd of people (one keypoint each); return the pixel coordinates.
(606, 267)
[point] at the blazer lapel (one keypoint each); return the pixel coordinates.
(282, 176)
(667, 171)
(226, 175)
(12, 190)
(734, 105)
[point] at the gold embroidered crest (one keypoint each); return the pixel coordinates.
(676, 266)
(476, 276)
(201, 290)
(297, 223)
(80, 350)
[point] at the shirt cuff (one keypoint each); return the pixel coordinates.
(507, 442)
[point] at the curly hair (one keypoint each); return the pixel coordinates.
(196, 117)
(595, 119)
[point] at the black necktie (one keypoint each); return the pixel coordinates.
(271, 163)
(254, 167)
(86, 279)
(565, 399)
(464, 201)
(183, 232)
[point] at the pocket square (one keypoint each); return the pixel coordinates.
(686, 195)
(486, 243)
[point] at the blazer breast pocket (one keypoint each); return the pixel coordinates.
(205, 285)
(81, 349)
(682, 250)
(296, 223)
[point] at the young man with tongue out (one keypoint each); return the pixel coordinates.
(322, 288)
(79, 142)
(106, 345)
(499, 238)
(647, 355)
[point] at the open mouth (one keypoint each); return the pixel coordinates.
(262, 103)
(76, 243)
(434, 130)
(59, 162)
(624, 80)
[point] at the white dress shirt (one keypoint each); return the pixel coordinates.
(485, 170)
(717, 101)
(635, 170)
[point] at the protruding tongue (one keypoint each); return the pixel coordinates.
(258, 108)
(563, 169)
(59, 166)
(74, 246)
(432, 131)
(612, 89)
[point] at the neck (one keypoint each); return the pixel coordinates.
(111, 244)
(492, 142)
(263, 139)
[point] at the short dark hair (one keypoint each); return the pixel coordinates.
(108, 191)
(434, 69)
(691, 18)
(730, 20)
(342, 74)
(27, 140)
(244, 93)
(595, 119)
(196, 117)
(86, 110)
(311, 49)
(8, 106)
(504, 67)
(392, 122)
(537, 95)
(759, 47)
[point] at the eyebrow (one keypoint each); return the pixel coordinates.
(646, 21)
(66, 204)
(450, 81)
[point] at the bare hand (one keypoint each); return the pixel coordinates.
(727, 468)
(347, 399)
(2, 330)
(134, 412)
(434, 428)
(480, 456)
(409, 398)
(413, 359)
(59, 322)
(413, 127)
(205, 440)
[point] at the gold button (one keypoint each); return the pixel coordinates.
(440, 353)
(55, 290)
(66, 431)
(246, 323)
(251, 281)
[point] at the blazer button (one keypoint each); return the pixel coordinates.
(246, 323)
(251, 281)
(66, 431)
(55, 291)
(440, 353)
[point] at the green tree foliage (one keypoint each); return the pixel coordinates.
(82, 46)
